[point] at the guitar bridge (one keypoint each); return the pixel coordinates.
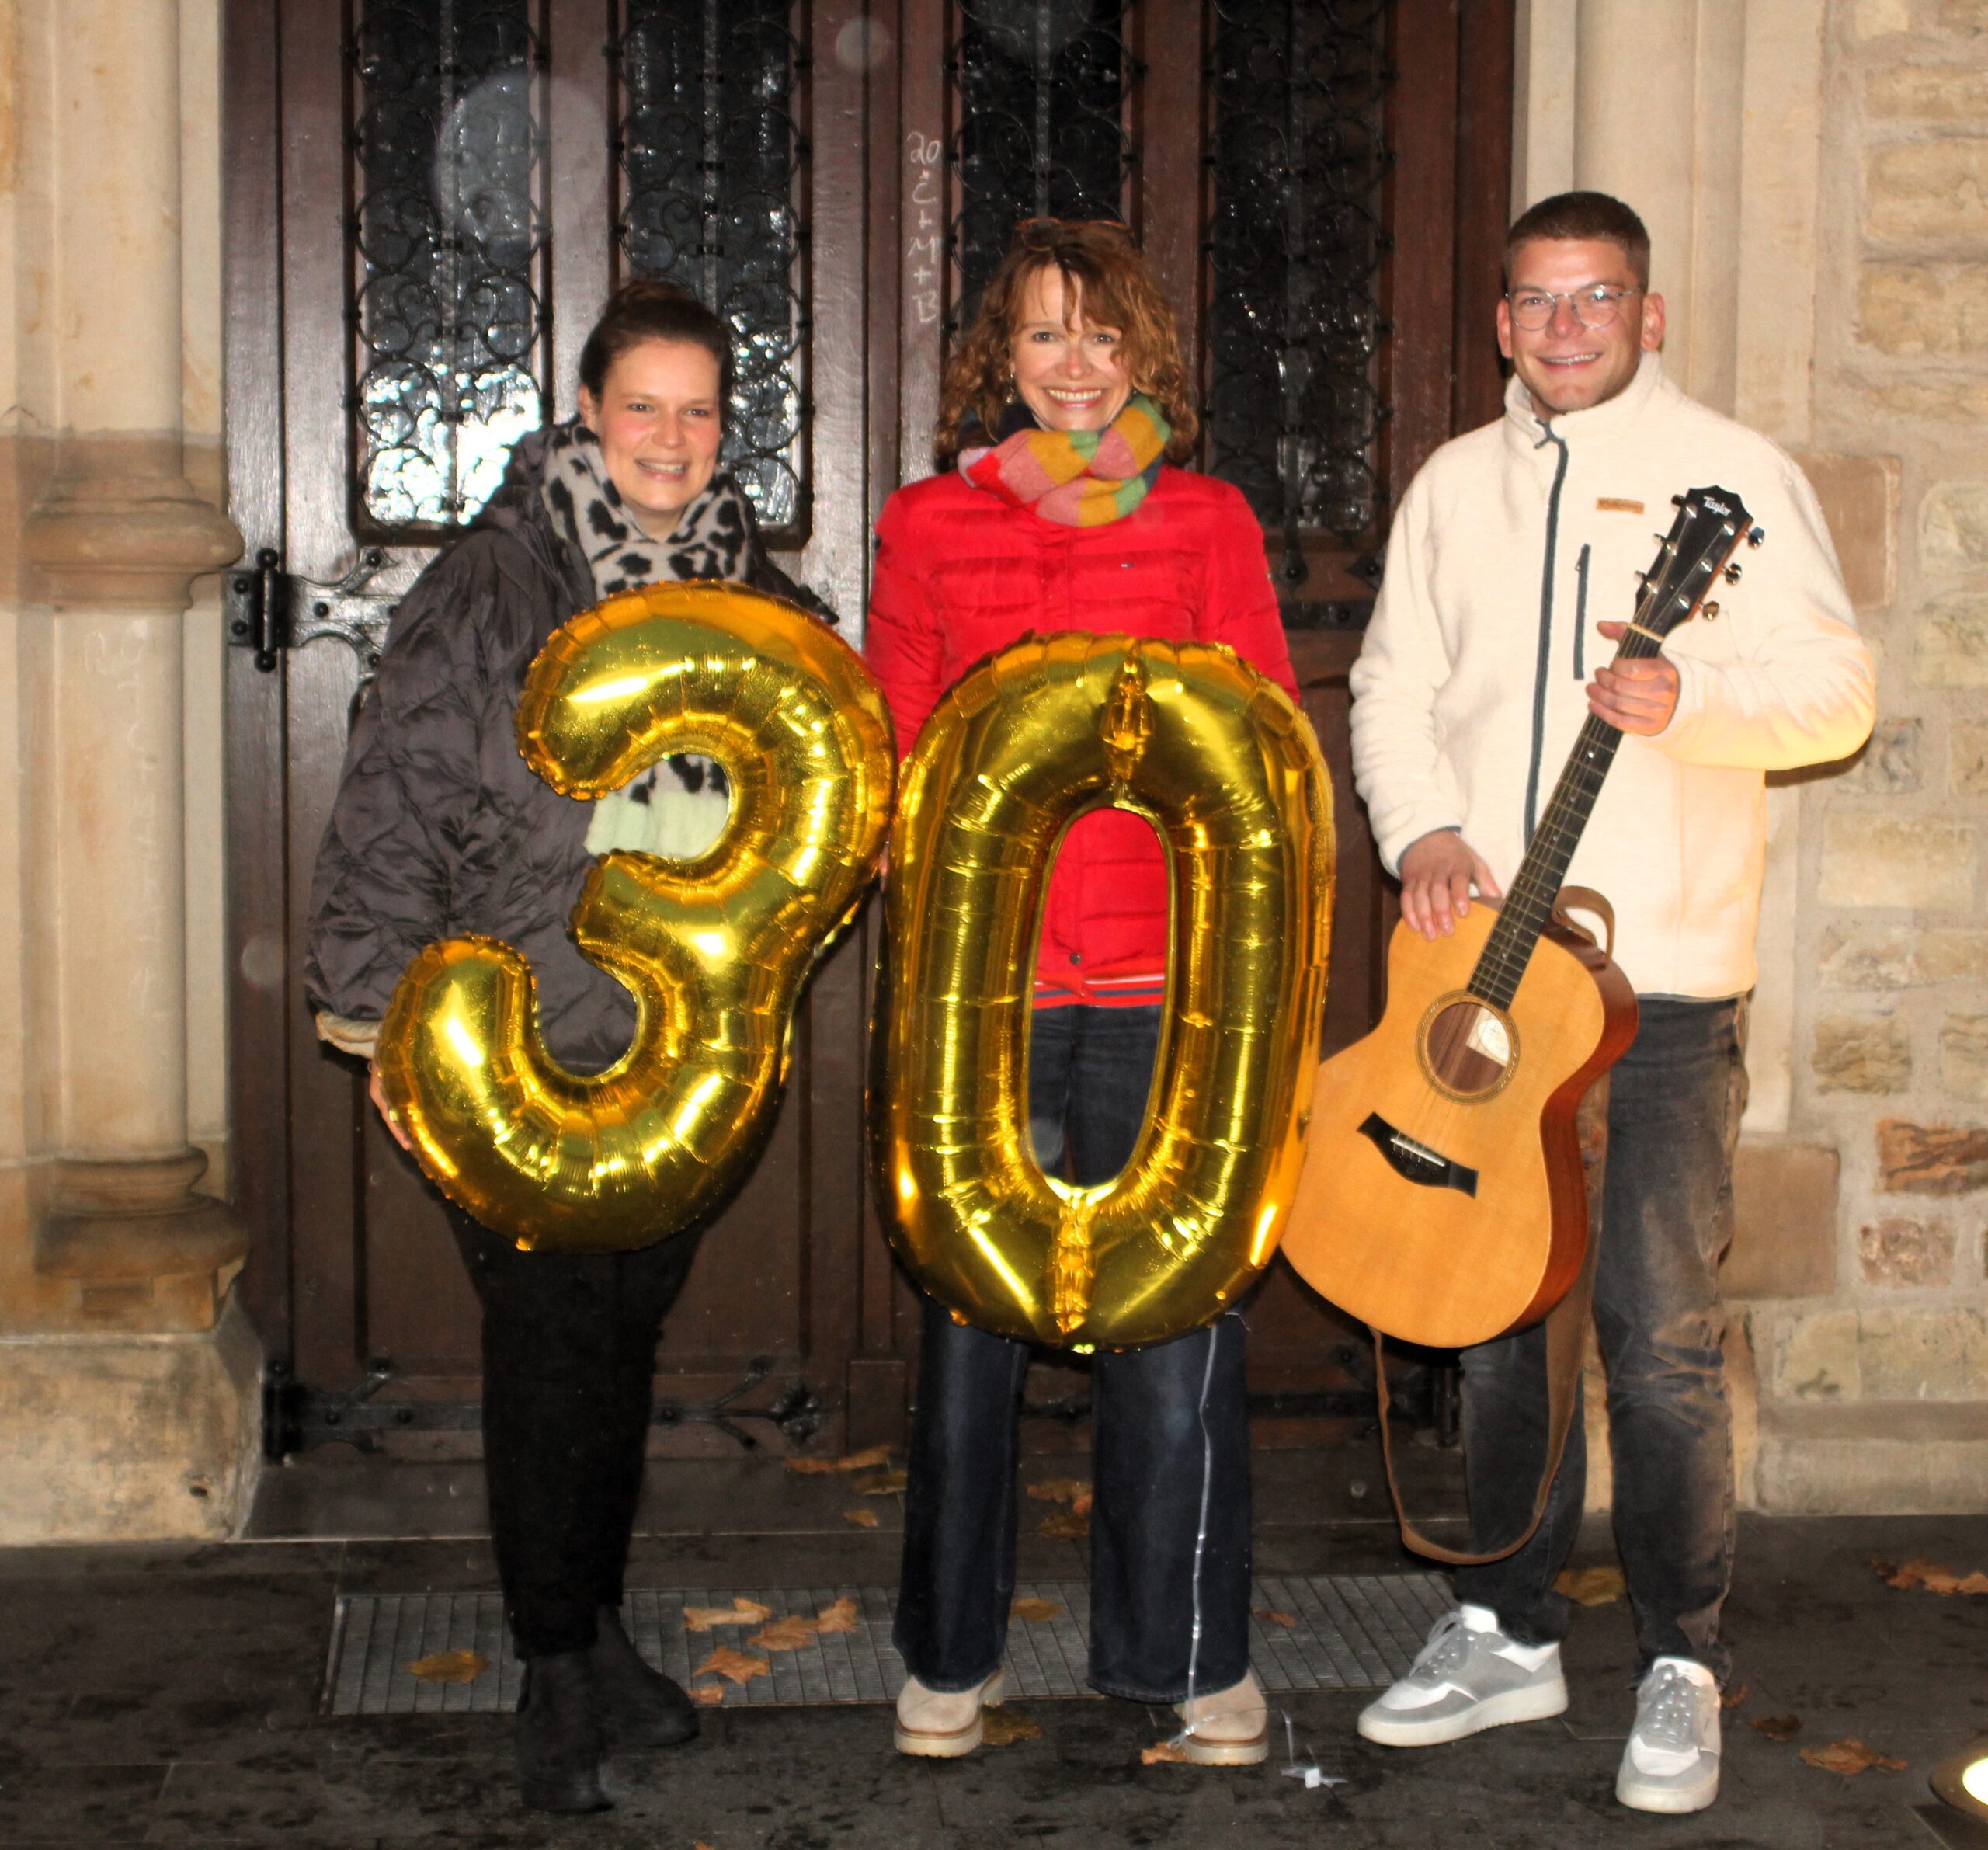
(1416, 1161)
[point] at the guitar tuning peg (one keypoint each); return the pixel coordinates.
(1733, 574)
(1677, 500)
(1659, 537)
(1709, 612)
(1756, 535)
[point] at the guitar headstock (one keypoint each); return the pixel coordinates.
(1712, 524)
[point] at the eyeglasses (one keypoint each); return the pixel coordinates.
(1532, 309)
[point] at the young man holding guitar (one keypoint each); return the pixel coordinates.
(1510, 573)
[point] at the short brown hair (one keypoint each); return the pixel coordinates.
(1589, 217)
(650, 310)
(1117, 290)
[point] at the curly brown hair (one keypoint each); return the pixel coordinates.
(1117, 290)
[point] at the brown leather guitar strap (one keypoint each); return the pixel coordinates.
(1565, 1324)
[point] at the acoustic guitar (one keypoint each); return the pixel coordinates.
(1442, 1199)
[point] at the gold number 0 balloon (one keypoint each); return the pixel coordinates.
(1230, 773)
(714, 949)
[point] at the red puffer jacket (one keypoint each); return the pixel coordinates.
(960, 574)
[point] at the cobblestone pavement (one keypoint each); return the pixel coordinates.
(165, 1696)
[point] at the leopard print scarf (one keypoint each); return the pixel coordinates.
(714, 536)
(674, 809)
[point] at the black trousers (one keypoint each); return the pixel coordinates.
(1169, 1539)
(568, 1363)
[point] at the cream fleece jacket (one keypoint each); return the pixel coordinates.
(1513, 543)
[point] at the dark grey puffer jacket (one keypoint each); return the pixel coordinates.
(440, 828)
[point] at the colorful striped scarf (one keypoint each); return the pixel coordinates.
(1074, 477)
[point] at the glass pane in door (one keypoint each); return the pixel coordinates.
(447, 273)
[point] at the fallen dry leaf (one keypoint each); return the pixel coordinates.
(1163, 1753)
(1777, 1727)
(1591, 1586)
(449, 1667)
(1066, 1524)
(1037, 1612)
(1849, 1756)
(735, 1666)
(792, 1633)
(1270, 1615)
(862, 1518)
(1059, 1489)
(709, 1695)
(1003, 1727)
(1935, 1576)
(881, 1483)
(866, 1460)
(840, 1617)
(1735, 1696)
(740, 1612)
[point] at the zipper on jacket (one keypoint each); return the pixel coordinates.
(1580, 615)
(1545, 633)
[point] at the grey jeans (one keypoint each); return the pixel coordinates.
(1673, 1118)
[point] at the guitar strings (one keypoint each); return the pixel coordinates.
(1528, 906)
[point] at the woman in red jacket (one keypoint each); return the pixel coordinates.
(1062, 411)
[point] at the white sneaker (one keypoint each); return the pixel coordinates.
(1229, 1727)
(1671, 1763)
(1468, 1676)
(942, 1724)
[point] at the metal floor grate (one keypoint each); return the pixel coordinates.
(1352, 1632)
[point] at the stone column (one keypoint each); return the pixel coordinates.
(1658, 119)
(114, 540)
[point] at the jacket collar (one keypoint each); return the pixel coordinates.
(1600, 424)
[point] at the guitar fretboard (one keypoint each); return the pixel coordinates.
(1529, 904)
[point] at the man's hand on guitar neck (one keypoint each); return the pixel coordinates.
(1437, 872)
(1638, 695)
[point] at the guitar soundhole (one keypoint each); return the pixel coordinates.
(1469, 1049)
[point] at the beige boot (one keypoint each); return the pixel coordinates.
(942, 1724)
(1229, 1727)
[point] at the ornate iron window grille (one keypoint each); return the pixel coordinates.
(1041, 90)
(446, 256)
(1297, 158)
(711, 152)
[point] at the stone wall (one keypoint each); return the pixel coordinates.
(1891, 1030)
(1828, 242)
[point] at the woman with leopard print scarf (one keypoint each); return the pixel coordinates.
(440, 828)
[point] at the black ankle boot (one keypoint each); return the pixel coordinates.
(640, 1707)
(559, 1736)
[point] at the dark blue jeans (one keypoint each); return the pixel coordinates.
(1170, 1436)
(1674, 1118)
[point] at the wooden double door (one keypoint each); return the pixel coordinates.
(427, 202)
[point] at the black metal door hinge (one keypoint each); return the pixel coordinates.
(267, 609)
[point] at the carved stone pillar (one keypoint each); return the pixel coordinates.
(116, 540)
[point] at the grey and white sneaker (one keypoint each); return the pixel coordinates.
(1671, 1763)
(1468, 1676)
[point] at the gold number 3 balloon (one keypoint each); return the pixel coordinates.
(1229, 772)
(714, 949)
